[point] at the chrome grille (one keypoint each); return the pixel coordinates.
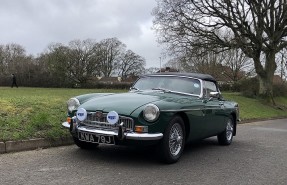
(99, 120)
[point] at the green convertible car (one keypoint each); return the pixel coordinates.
(163, 109)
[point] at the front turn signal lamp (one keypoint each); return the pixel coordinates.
(69, 119)
(141, 129)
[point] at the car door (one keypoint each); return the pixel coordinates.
(213, 110)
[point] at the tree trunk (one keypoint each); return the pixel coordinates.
(265, 77)
(265, 86)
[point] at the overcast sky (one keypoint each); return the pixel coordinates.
(34, 24)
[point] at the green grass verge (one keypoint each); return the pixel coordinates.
(256, 108)
(38, 112)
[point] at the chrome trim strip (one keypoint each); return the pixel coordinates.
(144, 136)
(66, 124)
(187, 110)
(128, 135)
(106, 132)
(181, 76)
(178, 110)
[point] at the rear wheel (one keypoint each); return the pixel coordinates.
(85, 145)
(172, 144)
(225, 138)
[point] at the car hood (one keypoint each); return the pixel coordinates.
(126, 103)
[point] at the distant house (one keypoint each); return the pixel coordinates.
(109, 80)
(277, 80)
(130, 79)
(227, 76)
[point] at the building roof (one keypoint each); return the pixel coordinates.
(277, 79)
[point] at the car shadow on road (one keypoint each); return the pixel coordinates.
(137, 155)
(201, 145)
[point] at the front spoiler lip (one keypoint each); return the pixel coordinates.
(128, 135)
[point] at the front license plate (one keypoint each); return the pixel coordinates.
(96, 138)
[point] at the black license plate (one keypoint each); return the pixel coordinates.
(96, 138)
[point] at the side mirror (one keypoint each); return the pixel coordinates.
(134, 88)
(214, 95)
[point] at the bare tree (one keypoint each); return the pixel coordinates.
(75, 62)
(193, 61)
(281, 60)
(12, 58)
(3, 61)
(57, 63)
(109, 51)
(174, 63)
(82, 59)
(258, 28)
(238, 65)
(130, 64)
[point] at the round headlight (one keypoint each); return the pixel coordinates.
(151, 112)
(73, 104)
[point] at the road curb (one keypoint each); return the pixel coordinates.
(261, 119)
(32, 144)
(2, 147)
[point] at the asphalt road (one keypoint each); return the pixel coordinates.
(258, 155)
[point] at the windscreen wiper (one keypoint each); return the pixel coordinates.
(161, 89)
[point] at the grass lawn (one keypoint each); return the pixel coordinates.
(38, 112)
(256, 109)
(35, 112)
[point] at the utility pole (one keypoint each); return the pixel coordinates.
(160, 64)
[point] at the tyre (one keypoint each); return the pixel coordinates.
(225, 138)
(172, 144)
(85, 145)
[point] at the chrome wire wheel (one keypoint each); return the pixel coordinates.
(172, 144)
(229, 130)
(225, 137)
(175, 139)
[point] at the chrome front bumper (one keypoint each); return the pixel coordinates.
(127, 135)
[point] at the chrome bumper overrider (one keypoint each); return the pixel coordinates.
(127, 135)
(66, 125)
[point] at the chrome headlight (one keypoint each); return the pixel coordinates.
(73, 104)
(150, 112)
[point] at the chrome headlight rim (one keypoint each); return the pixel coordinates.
(151, 113)
(73, 104)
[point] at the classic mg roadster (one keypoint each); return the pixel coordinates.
(164, 109)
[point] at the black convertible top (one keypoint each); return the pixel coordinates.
(193, 75)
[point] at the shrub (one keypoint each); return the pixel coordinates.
(235, 87)
(249, 87)
(280, 90)
(108, 85)
(225, 87)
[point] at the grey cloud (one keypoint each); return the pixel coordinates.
(35, 24)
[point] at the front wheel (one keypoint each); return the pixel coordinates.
(85, 145)
(172, 144)
(225, 138)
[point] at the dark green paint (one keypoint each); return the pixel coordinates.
(205, 117)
